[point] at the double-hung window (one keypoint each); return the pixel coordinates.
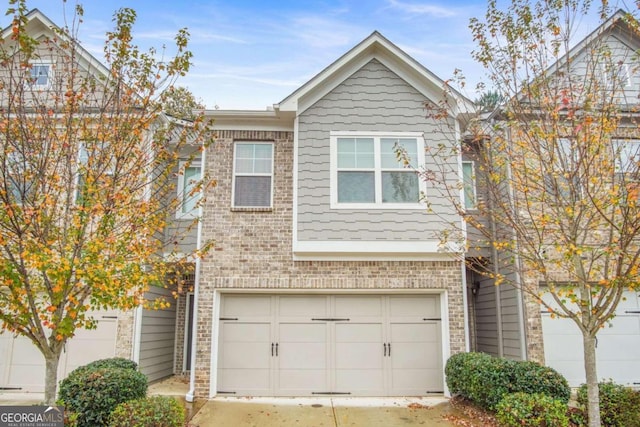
(252, 174)
(188, 196)
(469, 185)
(40, 75)
(375, 170)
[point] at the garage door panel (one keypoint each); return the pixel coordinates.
(246, 306)
(360, 382)
(245, 381)
(247, 332)
(355, 306)
(407, 306)
(414, 332)
(237, 355)
(407, 354)
(359, 356)
(302, 306)
(305, 355)
(622, 325)
(416, 381)
(358, 332)
(292, 382)
(302, 332)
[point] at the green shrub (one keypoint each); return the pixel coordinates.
(619, 405)
(486, 380)
(531, 410)
(532, 378)
(155, 411)
(113, 362)
(94, 393)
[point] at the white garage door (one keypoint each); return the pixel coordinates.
(329, 345)
(22, 365)
(618, 351)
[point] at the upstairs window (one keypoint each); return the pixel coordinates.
(40, 75)
(469, 185)
(253, 175)
(368, 171)
(188, 179)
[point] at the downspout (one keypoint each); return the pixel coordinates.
(463, 268)
(189, 397)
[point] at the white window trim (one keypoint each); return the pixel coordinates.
(474, 186)
(50, 75)
(270, 174)
(333, 170)
(620, 70)
(180, 188)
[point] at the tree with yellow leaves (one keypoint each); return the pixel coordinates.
(557, 163)
(87, 164)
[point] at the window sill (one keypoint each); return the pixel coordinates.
(252, 209)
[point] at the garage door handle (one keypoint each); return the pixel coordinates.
(109, 317)
(432, 319)
(271, 349)
(330, 319)
(276, 349)
(389, 349)
(632, 311)
(385, 348)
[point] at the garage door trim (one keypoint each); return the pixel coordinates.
(215, 343)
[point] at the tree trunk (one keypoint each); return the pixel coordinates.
(51, 376)
(593, 397)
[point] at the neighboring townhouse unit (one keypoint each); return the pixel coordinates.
(510, 322)
(146, 336)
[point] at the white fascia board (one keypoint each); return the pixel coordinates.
(371, 251)
(266, 120)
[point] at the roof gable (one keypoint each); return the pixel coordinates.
(40, 26)
(376, 47)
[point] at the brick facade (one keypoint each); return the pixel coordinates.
(253, 250)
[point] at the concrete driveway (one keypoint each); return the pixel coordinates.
(322, 412)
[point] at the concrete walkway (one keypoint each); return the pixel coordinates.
(285, 412)
(322, 412)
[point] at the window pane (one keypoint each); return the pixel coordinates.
(628, 152)
(263, 151)
(253, 158)
(355, 153)
(356, 187)
(262, 166)
(469, 185)
(388, 152)
(40, 74)
(252, 191)
(191, 177)
(400, 187)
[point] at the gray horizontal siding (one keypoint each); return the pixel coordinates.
(373, 99)
(157, 339)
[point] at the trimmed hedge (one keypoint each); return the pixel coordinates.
(113, 362)
(619, 405)
(94, 393)
(531, 410)
(155, 411)
(485, 379)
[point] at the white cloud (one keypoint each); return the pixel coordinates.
(423, 9)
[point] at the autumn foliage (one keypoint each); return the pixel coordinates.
(87, 163)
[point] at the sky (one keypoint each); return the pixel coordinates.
(250, 54)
